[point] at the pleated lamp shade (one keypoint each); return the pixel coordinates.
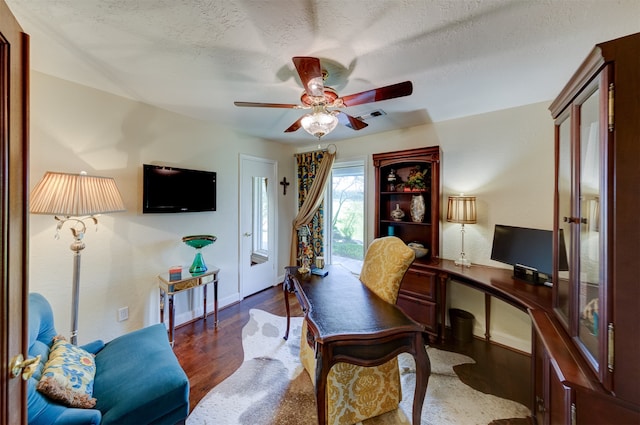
(462, 209)
(75, 195)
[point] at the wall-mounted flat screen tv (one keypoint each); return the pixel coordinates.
(175, 190)
(529, 251)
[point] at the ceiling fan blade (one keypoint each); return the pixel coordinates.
(268, 105)
(381, 93)
(352, 122)
(295, 126)
(310, 73)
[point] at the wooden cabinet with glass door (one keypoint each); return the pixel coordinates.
(597, 297)
(407, 205)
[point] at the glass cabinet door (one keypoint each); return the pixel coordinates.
(579, 248)
(563, 248)
(588, 294)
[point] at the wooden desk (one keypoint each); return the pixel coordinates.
(494, 282)
(349, 323)
(564, 385)
(168, 288)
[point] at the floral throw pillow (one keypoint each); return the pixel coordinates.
(68, 375)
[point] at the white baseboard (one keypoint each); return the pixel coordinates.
(197, 310)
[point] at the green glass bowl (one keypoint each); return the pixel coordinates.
(199, 241)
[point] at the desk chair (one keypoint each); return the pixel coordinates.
(356, 393)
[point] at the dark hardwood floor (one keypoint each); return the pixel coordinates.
(210, 355)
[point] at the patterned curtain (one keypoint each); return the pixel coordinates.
(313, 167)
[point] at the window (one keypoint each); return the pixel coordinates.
(260, 251)
(346, 209)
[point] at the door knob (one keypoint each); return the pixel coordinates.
(27, 367)
(247, 234)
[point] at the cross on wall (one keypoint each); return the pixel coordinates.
(284, 184)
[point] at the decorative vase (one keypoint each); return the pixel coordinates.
(391, 180)
(305, 267)
(198, 242)
(397, 214)
(417, 208)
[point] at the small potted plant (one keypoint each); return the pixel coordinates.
(416, 180)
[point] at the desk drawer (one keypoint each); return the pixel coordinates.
(420, 284)
(423, 312)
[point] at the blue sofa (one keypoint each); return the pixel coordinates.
(138, 378)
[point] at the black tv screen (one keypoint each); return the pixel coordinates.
(531, 248)
(173, 190)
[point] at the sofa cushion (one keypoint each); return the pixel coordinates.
(145, 382)
(68, 375)
(43, 411)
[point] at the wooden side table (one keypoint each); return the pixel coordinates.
(168, 288)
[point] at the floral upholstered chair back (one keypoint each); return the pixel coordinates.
(385, 263)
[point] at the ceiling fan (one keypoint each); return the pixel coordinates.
(319, 98)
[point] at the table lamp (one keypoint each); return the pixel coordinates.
(75, 198)
(462, 209)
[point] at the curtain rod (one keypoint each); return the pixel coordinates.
(320, 149)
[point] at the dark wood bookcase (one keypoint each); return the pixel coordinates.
(418, 295)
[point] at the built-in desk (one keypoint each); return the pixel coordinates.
(565, 389)
(494, 282)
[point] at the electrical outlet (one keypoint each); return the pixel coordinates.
(123, 314)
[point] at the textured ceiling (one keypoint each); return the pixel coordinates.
(196, 57)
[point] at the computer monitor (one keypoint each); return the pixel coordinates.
(529, 251)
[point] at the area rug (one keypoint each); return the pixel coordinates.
(271, 387)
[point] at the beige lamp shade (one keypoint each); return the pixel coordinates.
(462, 209)
(75, 195)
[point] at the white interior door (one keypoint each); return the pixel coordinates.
(258, 233)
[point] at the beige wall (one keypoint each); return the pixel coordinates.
(74, 128)
(505, 158)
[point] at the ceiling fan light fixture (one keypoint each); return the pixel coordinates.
(316, 87)
(319, 123)
(318, 97)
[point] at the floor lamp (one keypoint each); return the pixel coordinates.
(75, 198)
(462, 209)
